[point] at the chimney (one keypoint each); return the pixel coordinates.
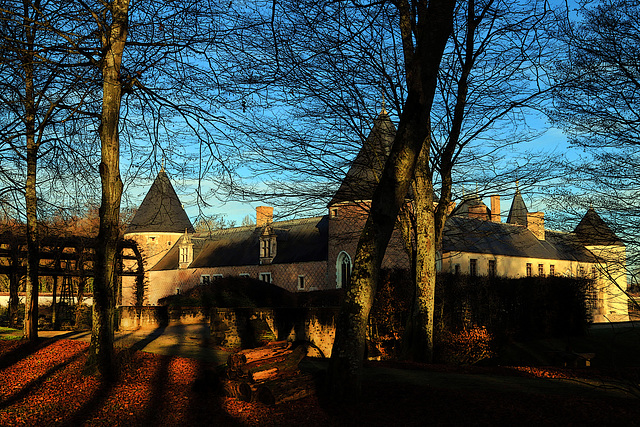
(535, 223)
(478, 211)
(495, 208)
(264, 215)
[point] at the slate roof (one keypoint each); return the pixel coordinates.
(161, 210)
(593, 231)
(486, 237)
(518, 212)
(363, 176)
(299, 240)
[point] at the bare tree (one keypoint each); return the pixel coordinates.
(598, 105)
(334, 62)
(152, 83)
(40, 89)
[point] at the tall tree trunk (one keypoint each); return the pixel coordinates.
(33, 257)
(13, 299)
(54, 306)
(418, 337)
(101, 352)
(430, 24)
(14, 283)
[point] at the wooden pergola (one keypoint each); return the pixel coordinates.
(64, 258)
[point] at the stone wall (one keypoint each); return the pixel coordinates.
(131, 318)
(244, 327)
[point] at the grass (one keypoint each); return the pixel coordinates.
(8, 333)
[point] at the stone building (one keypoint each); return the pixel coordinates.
(317, 253)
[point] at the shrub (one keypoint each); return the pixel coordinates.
(465, 347)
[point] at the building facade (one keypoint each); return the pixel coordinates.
(317, 253)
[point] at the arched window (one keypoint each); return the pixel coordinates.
(343, 270)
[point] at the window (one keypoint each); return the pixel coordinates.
(184, 254)
(243, 275)
(301, 283)
(205, 279)
(594, 273)
(492, 268)
(265, 277)
(266, 248)
(541, 270)
(456, 269)
(343, 270)
(473, 267)
(177, 291)
(581, 271)
(552, 270)
(529, 268)
(334, 213)
(216, 276)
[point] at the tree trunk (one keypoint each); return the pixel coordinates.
(101, 352)
(14, 283)
(431, 28)
(418, 337)
(54, 306)
(33, 258)
(81, 285)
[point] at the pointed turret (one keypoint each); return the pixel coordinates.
(364, 174)
(593, 231)
(161, 210)
(518, 212)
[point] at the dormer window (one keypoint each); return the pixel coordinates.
(265, 250)
(268, 245)
(185, 257)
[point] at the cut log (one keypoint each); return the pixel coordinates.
(271, 375)
(256, 364)
(235, 360)
(264, 375)
(232, 389)
(289, 364)
(248, 392)
(286, 389)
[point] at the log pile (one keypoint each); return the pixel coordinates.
(268, 374)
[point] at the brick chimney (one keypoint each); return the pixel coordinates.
(478, 211)
(495, 208)
(535, 223)
(264, 215)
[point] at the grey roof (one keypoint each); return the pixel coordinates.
(300, 240)
(486, 237)
(161, 210)
(518, 212)
(364, 174)
(592, 230)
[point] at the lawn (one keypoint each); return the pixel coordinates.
(43, 384)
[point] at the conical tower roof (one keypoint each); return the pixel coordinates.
(518, 212)
(592, 231)
(364, 174)
(161, 210)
